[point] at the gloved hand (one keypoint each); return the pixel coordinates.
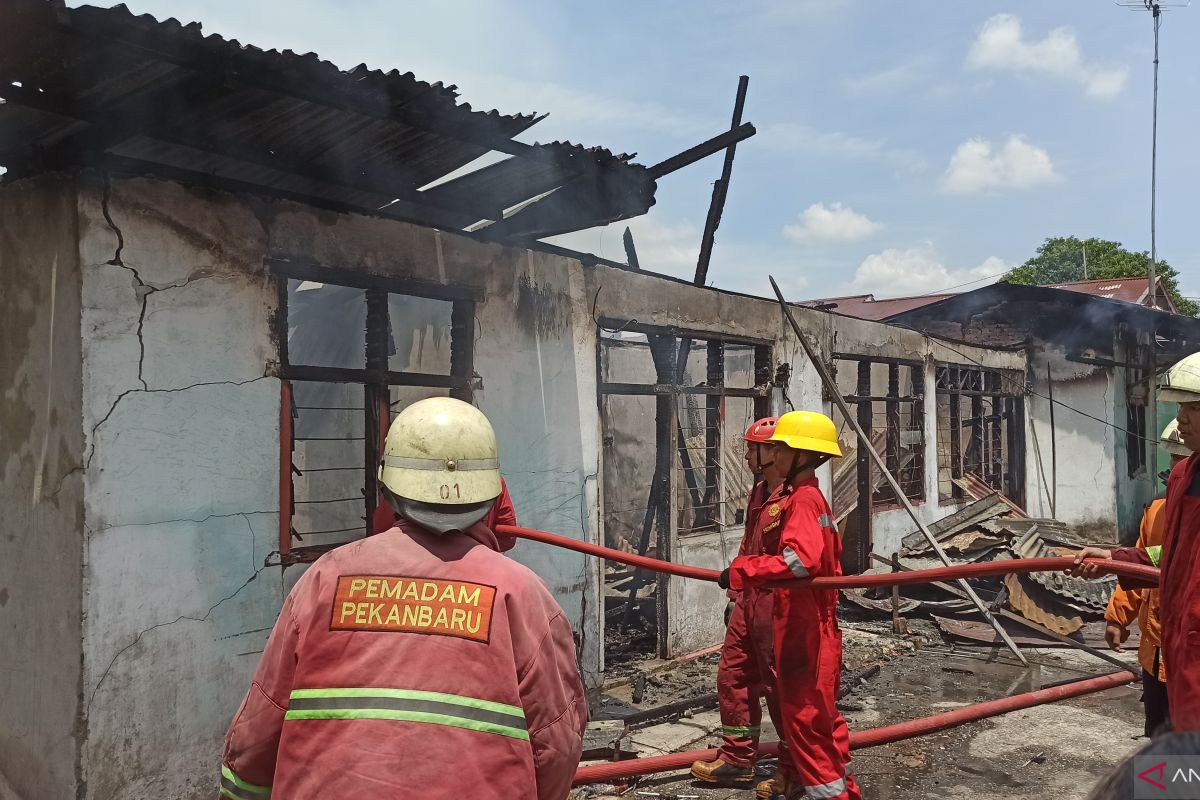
(723, 578)
(728, 612)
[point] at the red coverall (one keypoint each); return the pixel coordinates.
(746, 672)
(808, 643)
(502, 513)
(412, 665)
(1179, 595)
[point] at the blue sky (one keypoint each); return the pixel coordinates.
(902, 148)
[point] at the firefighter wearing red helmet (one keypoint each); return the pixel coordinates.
(746, 672)
(808, 643)
(419, 662)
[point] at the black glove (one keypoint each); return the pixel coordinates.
(728, 612)
(723, 578)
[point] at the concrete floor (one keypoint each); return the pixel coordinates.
(1055, 751)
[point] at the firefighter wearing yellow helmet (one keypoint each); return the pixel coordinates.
(800, 541)
(393, 651)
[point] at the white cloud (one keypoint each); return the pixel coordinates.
(977, 166)
(803, 140)
(1001, 46)
(830, 223)
(919, 270)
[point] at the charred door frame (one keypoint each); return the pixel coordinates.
(664, 496)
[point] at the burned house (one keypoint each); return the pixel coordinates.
(1092, 455)
(227, 269)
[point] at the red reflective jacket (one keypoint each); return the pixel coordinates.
(412, 665)
(1179, 595)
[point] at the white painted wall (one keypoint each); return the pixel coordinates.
(1086, 448)
(41, 538)
(181, 487)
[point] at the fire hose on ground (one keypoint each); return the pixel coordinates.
(859, 740)
(877, 736)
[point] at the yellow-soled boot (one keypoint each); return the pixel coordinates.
(722, 773)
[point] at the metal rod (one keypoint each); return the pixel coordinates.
(865, 442)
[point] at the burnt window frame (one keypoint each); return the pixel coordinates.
(895, 405)
(661, 519)
(1000, 430)
(375, 378)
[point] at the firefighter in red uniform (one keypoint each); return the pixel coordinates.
(419, 662)
(746, 672)
(1126, 605)
(808, 643)
(1179, 555)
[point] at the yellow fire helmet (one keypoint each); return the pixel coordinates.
(441, 451)
(808, 430)
(1181, 384)
(1172, 442)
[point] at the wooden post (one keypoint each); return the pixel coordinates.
(899, 624)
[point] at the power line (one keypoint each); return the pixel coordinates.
(959, 285)
(1027, 388)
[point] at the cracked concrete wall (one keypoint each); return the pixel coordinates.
(41, 444)
(181, 482)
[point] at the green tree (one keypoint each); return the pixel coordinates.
(1060, 260)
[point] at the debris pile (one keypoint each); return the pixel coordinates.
(991, 528)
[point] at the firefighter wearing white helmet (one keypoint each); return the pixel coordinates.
(395, 650)
(440, 465)
(1172, 443)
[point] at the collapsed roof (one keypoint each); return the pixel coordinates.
(94, 87)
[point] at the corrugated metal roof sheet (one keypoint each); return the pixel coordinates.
(103, 87)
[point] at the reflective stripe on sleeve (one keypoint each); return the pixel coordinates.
(1155, 554)
(826, 521)
(794, 563)
(235, 788)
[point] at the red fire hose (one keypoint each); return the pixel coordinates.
(981, 570)
(608, 773)
(861, 739)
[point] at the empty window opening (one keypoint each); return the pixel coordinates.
(887, 398)
(357, 351)
(673, 412)
(981, 432)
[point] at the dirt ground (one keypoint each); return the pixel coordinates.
(1055, 751)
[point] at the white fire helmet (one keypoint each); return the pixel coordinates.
(1172, 442)
(441, 451)
(1181, 384)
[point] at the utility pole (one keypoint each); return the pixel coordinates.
(1155, 7)
(1156, 15)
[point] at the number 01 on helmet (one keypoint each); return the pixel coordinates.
(441, 451)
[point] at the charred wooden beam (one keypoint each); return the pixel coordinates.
(702, 150)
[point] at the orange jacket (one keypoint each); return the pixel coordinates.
(412, 665)
(1142, 604)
